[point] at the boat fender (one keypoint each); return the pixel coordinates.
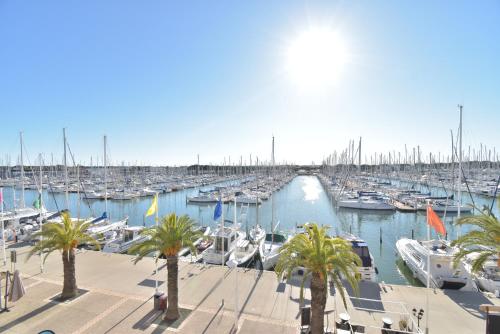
(376, 270)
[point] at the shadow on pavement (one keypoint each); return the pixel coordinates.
(128, 315)
(368, 290)
(5, 328)
(147, 319)
(469, 301)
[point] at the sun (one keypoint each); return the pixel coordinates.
(315, 58)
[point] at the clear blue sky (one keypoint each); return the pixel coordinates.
(166, 80)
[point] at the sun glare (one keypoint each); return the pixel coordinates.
(315, 58)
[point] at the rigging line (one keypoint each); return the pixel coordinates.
(52, 192)
(465, 180)
(494, 195)
(33, 174)
(80, 181)
(444, 188)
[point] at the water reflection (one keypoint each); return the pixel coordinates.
(311, 188)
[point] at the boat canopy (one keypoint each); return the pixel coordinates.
(103, 217)
(279, 238)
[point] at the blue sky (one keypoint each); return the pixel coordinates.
(166, 80)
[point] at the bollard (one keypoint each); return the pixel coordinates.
(381, 235)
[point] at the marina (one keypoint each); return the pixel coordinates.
(300, 199)
(278, 167)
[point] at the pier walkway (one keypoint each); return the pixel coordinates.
(119, 300)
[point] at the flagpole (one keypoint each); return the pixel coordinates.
(428, 273)
(3, 228)
(222, 240)
(157, 254)
(222, 226)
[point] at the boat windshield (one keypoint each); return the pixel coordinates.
(218, 243)
(364, 254)
(278, 238)
(129, 235)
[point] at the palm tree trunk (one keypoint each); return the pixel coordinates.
(318, 302)
(69, 285)
(173, 291)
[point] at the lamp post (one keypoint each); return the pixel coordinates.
(418, 315)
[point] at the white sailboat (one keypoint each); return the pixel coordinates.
(244, 253)
(126, 238)
(246, 249)
(269, 249)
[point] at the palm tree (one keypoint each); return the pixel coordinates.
(168, 238)
(322, 257)
(65, 237)
(486, 235)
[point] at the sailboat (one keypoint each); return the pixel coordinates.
(102, 228)
(246, 249)
(126, 238)
(23, 221)
(269, 250)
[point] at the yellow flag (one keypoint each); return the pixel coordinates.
(154, 207)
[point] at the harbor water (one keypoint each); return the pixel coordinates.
(300, 201)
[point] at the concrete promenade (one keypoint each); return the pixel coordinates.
(119, 300)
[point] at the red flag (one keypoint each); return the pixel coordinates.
(434, 221)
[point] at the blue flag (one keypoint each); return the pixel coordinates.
(218, 210)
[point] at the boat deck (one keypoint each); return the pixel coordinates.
(403, 207)
(119, 300)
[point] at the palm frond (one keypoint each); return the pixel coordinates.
(168, 238)
(320, 254)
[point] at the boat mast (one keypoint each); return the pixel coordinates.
(65, 171)
(359, 156)
(105, 179)
(22, 170)
(272, 194)
(428, 278)
(40, 203)
(3, 227)
(459, 169)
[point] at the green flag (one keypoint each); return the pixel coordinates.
(38, 202)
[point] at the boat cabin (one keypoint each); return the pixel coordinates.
(225, 238)
(131, 233)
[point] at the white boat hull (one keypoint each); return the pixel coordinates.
(365, 205)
